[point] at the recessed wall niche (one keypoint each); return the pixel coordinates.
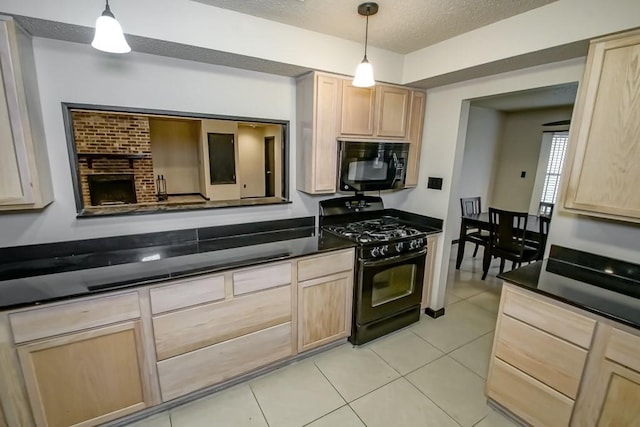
(128, 161)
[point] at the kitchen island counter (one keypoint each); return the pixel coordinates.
(603, 286)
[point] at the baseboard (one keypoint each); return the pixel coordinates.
(435, 314)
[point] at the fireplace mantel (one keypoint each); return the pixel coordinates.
(129, 156)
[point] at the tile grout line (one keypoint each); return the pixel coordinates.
(431, 400)
(259, 406)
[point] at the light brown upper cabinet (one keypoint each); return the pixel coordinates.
(25, 181)
(329, 107)
(381, 111)
(392, 109)
(318, 101)
(358, 109)
(603, 161)
(416, 126)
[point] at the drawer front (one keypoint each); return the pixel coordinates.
(64, 318)
(553, 361)
(624, 348)
(256, 279)
(528, 398)
(324, 265)
(186, 330)
(550, 318)
(187, 293)
(220, 362)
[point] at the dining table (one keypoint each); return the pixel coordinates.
(480, 221)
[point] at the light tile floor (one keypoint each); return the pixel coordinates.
(429, 374)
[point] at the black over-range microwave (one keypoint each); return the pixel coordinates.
(372, 165)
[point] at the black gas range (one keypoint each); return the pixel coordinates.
(390, 266)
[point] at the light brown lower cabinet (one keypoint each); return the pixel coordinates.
(3, 423)
(324, 309)
(219, 362)
(578, 370)
(86, 378)
(528, 398)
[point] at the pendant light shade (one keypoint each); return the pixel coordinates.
(109, 36)
(364, 75)
(364, 72)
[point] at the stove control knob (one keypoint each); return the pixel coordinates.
(384, 250)
(412, 245)
(399, 246)
(375, 251)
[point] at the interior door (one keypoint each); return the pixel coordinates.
(269, 166)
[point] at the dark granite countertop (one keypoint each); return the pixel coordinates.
(25, 282)
(604, 286)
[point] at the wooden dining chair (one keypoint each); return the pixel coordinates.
(507, 231)
(545, 209)
(469, 206)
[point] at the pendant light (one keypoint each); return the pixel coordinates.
(109, 36)
(364, 72)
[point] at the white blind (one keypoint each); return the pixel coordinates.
(554, 167)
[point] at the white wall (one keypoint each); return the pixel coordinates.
(251, 161)
(555, 24)
(193, 23)
(520, 151)
(480, 152)
(446, 124)
(174, 151)
(69, 72)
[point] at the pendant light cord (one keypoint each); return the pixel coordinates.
(366, 34)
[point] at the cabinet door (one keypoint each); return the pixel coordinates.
(86, 378)
(621, 401)
(604, 145)
(416, 123)
(324, 310)
(15, 181)
(393, 109)
(325, 149)
(357, 110)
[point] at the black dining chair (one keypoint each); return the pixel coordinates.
(507, 231)
(545, 209)
(470, 206)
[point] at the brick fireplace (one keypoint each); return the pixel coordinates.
(113, 144)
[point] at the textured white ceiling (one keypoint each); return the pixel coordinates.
(401, 26)
(550, 96)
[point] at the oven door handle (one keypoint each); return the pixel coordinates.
(394, 259)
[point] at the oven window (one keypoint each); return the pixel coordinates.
(368, 170)
(393, 283)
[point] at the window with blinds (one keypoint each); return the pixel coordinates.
(554, 167)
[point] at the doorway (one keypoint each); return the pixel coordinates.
(269, 167)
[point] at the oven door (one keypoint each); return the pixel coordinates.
(389, 286)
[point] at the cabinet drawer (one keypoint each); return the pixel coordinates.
(550, 318)
(211, 365)
(624, 348)
(528, 398)
(324, 265)
(186, 330)
(187, 293)
(553, 361)
(256, 279)
(61, 319)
